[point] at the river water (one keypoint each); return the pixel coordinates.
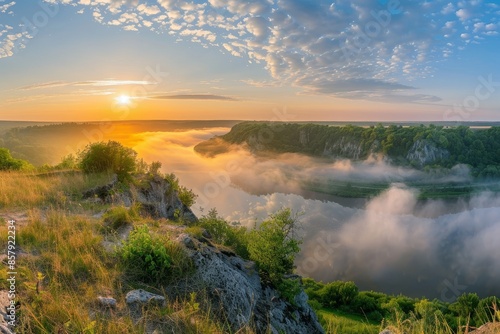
(392, 243)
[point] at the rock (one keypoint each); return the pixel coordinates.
(206, 234)
(139, 300)
(101, 192)
(386, 331)
(348, 148)
(143, 297)
(186, 241)
(158, 199)
(488, 328)
(237, 295)
(107, 302)
(154, 194)
(424, 152)
(5, 330)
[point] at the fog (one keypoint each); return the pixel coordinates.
(393, 243)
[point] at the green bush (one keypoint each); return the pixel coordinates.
(273, 247)
(234, 237)
(145, 256)
(186, 196)
(7, 162)
(108, 157)
(337, 294)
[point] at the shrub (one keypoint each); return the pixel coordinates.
(145, 256)
(108, 157)
(67, 162)
(224, 234)
(338, 293)
(273, 247)
(186, 196)
(7, 162)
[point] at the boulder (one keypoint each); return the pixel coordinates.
(107, 302)
(237, 294)
(139, 300)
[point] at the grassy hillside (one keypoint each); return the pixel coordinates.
(62, 265)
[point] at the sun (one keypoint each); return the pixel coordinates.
(123, 99)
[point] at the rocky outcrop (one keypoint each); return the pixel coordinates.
(238, 295)
(343, 148)
(155, 195)
(103, 192)
(158, 199)
(424, 152)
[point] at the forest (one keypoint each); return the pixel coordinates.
(477, 148)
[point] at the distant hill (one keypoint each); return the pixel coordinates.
(47, 143)
(419, 146)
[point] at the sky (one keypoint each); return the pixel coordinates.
(282, 60)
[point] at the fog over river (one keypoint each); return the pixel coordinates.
(391, 243)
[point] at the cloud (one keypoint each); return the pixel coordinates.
(194, 97)
(316, 45)
(392, 242)
(96, 83)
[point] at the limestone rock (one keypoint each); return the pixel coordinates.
(101, 192)
(139, 300)
(424, 152)
(107, 302)
(238, 295)
(186, 241)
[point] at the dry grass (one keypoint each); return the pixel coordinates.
(28, 190)
(63, 267)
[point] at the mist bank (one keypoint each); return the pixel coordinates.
(43, 143)
(393, 242)
(421, 147)
(389, 246)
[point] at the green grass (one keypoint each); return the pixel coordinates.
(338, 322)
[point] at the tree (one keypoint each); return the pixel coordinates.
(7, 162)
(466, 304)
(338, 293)
(108, 157)
(274, 244)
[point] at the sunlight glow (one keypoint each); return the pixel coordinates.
(123, 99)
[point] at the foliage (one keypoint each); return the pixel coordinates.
(108, 157)
(186, 196)
(145, 256)
(273, 247)
(479, 149)
(67, 162)
(338, 293)
(7, 162)
(235, 237)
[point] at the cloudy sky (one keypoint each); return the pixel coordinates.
(265, 59)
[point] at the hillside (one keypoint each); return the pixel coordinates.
(129, 259)
(414, 146)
